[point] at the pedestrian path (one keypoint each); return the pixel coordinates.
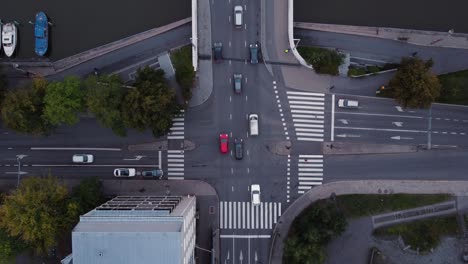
(177, 129)
(310, 172)
(242, 215)
(307, 110)
(175, 164)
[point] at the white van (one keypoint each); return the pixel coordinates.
(253, 124)
(238, 16)
(345, 103)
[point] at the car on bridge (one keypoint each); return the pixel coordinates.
(237, 83)
(218, 52)
(239, 147)
(224, 143)
(254, 53)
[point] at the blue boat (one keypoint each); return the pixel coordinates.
(41, 34)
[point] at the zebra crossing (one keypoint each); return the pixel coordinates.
(310, 172)
(177, 129)
(175, 164)
(242, 215)
(307, 110)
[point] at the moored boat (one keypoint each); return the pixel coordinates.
(41, 34)
(9, 38)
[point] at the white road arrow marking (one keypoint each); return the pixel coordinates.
(348, 136)
(344, 121)
(398, 124)
(398, 137)
(399, 108)
(256, 257)
(241, 258)
(136, 158)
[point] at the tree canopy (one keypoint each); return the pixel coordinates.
(104, 100)
(311, 231)
(63, 101)
(35, 212)
(3, 85)
(23, 108)
(414, 85)
(152, 104)
(184, 72)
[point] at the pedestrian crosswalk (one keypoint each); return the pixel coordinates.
(310, 171)
(307, 110)
(175, 164)
(242, 215)
(177, 129)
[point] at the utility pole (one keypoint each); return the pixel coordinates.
(429, 130)
(19, 158)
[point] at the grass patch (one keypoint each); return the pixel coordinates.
(184, 72)
(354, 70)
(323, 60)
(423, 234)
(357, 205)
(454, 88)
(311, 231)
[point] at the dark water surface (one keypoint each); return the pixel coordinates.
(434, 15)
(80, 25)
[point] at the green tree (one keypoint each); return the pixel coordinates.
(323, 60)
(184, 72)
(414, 85)
(104, 100)
(311, 231)
(23, 108)
(63, 101)
(9, 247)
(3, 85)
(35, 212)
(152, 104)
(88, 194)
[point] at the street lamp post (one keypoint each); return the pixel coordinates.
(19, 158)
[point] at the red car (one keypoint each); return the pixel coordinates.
(223, 143)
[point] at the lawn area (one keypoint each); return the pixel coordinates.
(323, 60)
(357, 205)
(423, 234)
(454, 88)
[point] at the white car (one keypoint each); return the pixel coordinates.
(345, 103)
(255, 193)
(125, 172)
(83, 158)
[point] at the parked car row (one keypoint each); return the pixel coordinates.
(119, 172)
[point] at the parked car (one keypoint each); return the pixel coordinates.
(156, 173)
(83, 158)
(255, 194)
(239, 147)
(345, 103)
(125, 172)
(218, 51)
(254, 53)
(224, 142)
(238, 83)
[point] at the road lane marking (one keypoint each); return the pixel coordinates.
(382, 129)
(332, 131)
(305, 93)
(369, 114)
(71, 148)
(94, 165)
(244, 236)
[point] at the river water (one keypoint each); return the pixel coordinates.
(434, 15)
(80, 25)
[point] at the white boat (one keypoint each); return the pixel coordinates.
(9, 38)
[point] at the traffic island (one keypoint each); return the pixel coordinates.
(344, 148)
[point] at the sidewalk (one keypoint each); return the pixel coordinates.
(204, 78)
(416, 37)
(458, 188)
